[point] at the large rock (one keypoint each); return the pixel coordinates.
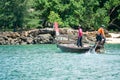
(29, 40)
(2, 41)
(43, 38)
(36, 36)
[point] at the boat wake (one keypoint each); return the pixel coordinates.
(91, 51)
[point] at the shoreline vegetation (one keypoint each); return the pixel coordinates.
(47, 36)
(40, 16)
(31, 14)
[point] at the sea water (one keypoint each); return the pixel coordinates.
(47, 62)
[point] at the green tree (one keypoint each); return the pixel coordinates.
(54, 17)
(12, 13)
(89, 13)
(6, 15)
(68, 13)
(89, 18)
(113, 9)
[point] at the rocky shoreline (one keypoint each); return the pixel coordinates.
(36, 36)
(44, 36)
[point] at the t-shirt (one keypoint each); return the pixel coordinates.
(80, 33)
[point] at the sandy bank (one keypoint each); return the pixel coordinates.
(115, 39)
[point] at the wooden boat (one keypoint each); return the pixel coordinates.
(73, 48)
(69, 46)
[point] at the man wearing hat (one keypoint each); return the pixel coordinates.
(80, 34)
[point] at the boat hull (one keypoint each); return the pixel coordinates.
(73, 49)
(100, 49)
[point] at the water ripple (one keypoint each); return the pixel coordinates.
(47, 62)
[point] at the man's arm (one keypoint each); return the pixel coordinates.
(103, 33)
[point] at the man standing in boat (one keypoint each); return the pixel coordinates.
(80, 34)
(101, 35)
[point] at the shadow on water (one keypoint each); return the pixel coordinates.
(86, 53)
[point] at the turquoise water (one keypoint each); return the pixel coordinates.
(47, 62)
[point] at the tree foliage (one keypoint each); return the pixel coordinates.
(68, 13)
(90, 14)
(12, 13)
(54, 17)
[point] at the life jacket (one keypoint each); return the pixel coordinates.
(101, 31)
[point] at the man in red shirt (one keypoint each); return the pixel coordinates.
(80, 34)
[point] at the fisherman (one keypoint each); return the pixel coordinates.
(80, 34)
(100, 37)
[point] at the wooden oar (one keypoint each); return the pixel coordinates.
(93, 48)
